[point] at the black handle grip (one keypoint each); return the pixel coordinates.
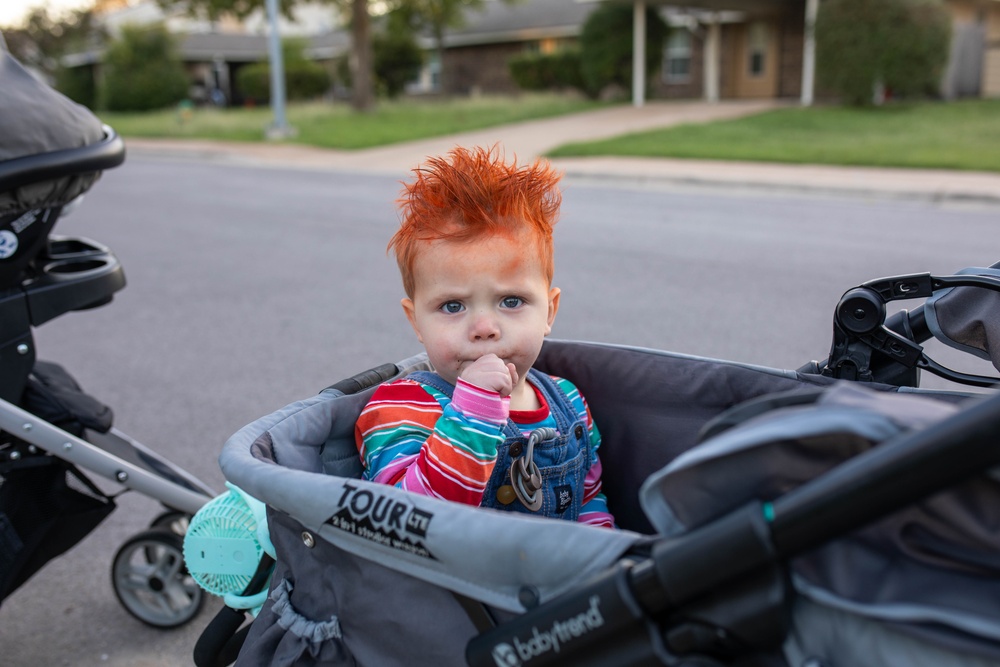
(221, 640)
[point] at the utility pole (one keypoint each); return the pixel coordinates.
(639, 53)
(280, 128)
(809, 54)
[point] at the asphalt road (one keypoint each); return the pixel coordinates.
(250, 288)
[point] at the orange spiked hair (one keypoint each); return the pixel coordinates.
(472, 194)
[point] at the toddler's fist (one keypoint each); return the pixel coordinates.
(491, 373)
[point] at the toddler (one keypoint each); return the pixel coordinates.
(475, 252)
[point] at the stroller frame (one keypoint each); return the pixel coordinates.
(52, 275)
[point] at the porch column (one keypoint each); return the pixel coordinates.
(710, 55)
(809, 53)
(639, 53)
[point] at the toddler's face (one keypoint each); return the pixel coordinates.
(472, 299)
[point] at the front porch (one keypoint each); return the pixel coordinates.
(731, 49)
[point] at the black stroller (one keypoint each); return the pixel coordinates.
(836, 515)
(51, 432)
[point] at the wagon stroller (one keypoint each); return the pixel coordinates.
(742, 493)
(51, 432)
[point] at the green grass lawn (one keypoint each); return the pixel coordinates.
(337, 126)
(957, 135)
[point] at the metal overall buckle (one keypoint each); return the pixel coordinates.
(524, 474)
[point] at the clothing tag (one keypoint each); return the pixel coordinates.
(564, 498)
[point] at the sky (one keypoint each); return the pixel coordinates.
(12, 11)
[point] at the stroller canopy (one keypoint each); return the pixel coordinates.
(37, 119)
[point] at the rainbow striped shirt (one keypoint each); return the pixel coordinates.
(416, 438)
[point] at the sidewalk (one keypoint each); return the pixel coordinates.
(534, 138)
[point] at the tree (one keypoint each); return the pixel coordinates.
(142, 71)
(865, 45)
(363, 82)
(43, 38)
(397, 56)
(356, 11)
(439, 15)
(606, 46)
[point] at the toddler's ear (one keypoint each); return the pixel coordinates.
(554, 295)
(411, 316)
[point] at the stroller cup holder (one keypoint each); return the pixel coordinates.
(68, 274)
(74, 274)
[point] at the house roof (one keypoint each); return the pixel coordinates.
(329, 45)
(231, 47)
(745, 8)
(208, 46)
(499, 21)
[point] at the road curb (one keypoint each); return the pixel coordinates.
(935, 186)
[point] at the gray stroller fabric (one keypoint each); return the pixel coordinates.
(930, 571)
(38, 119)
(377, 573)
(968, 318)
(857, 640)
(35, 118)
(368, 574)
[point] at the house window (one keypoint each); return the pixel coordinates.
(757, 48)
(677, 57)
(548, 46)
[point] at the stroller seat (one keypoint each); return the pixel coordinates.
(352, 587)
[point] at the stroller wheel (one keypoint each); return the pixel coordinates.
(151, 581)
(173, 520)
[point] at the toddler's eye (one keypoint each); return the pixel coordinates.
(452, 307)
(511, 301)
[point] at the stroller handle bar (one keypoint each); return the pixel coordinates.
(869, 347)
(105, 154)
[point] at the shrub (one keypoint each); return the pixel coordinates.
(901, 44)
(545, 71)
(77, 83)
(397, 61)
(606, 46)
(142, 71)
(303, 80)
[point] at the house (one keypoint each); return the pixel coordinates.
(764, 48)
(974, 65)
(214, 51)
(476, 54)
(729, 49)
(717, 49)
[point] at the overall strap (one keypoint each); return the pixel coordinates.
(432, 379)
(560, 407)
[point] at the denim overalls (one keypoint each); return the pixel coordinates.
(563, 461)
